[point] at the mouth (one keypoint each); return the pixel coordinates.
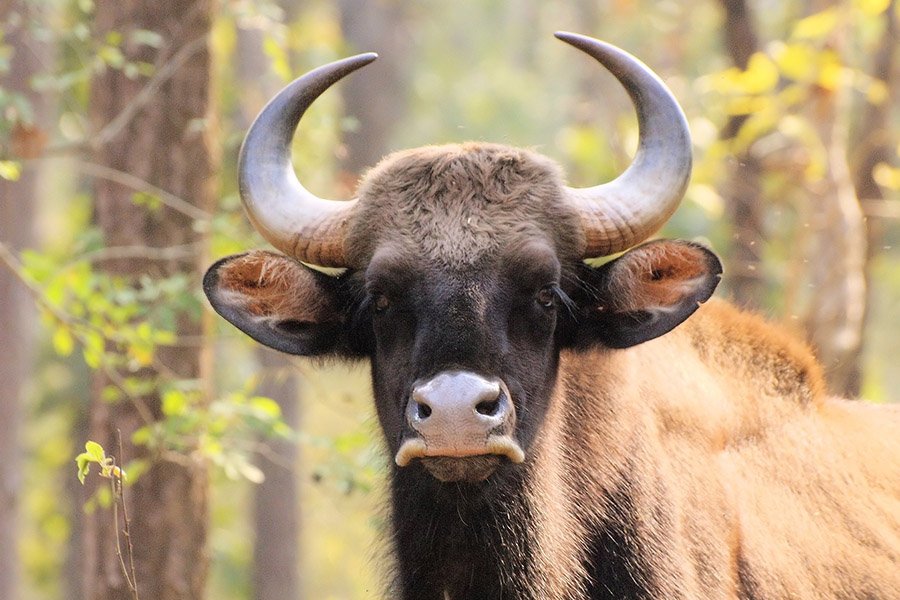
(470, 470)
(461, 463)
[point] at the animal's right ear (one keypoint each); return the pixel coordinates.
(645, 293)
(278, 301)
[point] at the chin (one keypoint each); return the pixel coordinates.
(469, 469)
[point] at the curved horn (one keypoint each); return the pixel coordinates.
(291, 218)
(624, 212)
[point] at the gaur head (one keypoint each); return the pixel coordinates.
(464, 271)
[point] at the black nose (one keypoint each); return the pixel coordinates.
(459, 408)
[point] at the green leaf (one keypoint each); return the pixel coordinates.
(83, 463)
(95, 451)
(147, 37)
(93, 349)
(265, 406)
(174, 402)
(62, 341)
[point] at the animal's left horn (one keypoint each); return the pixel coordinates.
(291, 218)
(624, 212)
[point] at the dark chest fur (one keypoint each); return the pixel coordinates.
(462, 541)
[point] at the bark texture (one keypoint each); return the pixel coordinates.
(276, 553)
(160, 135)
(17, 322)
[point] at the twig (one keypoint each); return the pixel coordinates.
(116, 489)
(881, 209)
(12, 263)
(142, 252)
(133, 579)
(136, 183)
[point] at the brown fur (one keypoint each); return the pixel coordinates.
(269, 285)
(705, 463)
(655, 275)
(458, 203)
(747, 481)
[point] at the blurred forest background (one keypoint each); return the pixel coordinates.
(254, 475)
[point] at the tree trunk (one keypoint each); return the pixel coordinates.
(743, 187)
(872, 145)
(276, 553)
(835, 316)
(17, 322)
(276, 515)
(375, 96)
(164, 142)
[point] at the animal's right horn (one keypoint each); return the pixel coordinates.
(291, 218)
(624, 212)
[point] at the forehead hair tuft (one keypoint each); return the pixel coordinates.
(457, 204)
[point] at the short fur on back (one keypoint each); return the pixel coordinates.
(729, 471)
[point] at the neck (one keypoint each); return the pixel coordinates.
(461, 540)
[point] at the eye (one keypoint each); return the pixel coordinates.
(546, 297)
(380, 302)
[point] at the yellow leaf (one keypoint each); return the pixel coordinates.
(872, 8)
(747, 105)
(760, 76)
(10, 170)
(223, 38)
(831, 76)
(793, 94)
(886, 176)
(62, 341)
(797, 62)
(280, 62)
(141, 355)
(877, 92)
(816, 26)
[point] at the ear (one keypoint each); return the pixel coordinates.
(278, 301)
(646, 292)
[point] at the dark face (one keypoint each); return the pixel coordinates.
(463, 357)
(468, 284)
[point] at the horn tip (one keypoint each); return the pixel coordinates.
(365, 58)
(589, 45)
(352, 63)
(569, 37)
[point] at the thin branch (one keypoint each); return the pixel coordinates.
(116, 489)
(12, 263)
(881, 209)
(133, 582)
(136, 183)
(137, 252)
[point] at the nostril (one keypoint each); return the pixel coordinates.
(423, 411)
(488, 408)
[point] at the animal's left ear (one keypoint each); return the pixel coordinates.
(645, 293)
(279, 302)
